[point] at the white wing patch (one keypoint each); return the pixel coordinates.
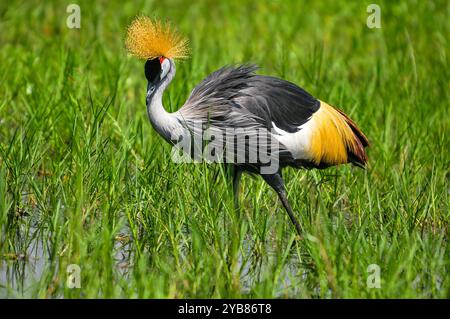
(298, 143)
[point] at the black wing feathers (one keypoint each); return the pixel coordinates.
(266, 98)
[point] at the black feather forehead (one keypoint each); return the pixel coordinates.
(152, 69)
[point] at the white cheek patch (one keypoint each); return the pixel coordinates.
(297, 143)
(165, 67)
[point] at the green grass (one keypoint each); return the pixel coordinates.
(84, 179)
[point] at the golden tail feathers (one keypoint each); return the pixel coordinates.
(336, 139)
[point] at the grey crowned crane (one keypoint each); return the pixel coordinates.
(299, 130)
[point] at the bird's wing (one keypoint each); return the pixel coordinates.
(231, 93)
(223, 84)
(310, 129)
(215, 98)
(234, 91)
(280, 103)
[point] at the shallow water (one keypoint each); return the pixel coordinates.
(20, 273)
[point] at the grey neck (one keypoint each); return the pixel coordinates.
(162, 121)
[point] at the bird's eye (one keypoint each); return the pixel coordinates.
(152, 69)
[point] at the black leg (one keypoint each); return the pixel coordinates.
(236, 181)
(277, 183)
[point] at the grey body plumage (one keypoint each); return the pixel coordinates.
(237, 97)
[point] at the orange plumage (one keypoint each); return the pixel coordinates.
(336, 139)
(148, 39)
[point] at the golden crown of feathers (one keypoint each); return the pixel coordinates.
(148, 39)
